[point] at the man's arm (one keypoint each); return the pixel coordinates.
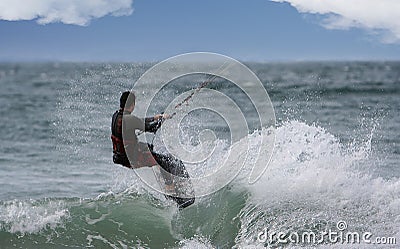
(149, 120)
(151, 124)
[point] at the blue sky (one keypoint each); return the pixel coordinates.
(249, 30)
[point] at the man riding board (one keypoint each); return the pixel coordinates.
(131, 153)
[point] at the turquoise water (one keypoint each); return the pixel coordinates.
(336, 159)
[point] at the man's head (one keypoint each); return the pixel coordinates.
(127, 100)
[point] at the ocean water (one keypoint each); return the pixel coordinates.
(336, 160)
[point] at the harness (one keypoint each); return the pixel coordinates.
(116, 133)
(119, 153)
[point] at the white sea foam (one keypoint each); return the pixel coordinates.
(312, 183)
(31, 216)
(196, 242)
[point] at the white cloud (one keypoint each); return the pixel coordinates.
(378, 16)
(78, 12)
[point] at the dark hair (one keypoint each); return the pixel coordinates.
(127, 99)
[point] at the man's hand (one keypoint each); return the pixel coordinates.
(164, 116)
